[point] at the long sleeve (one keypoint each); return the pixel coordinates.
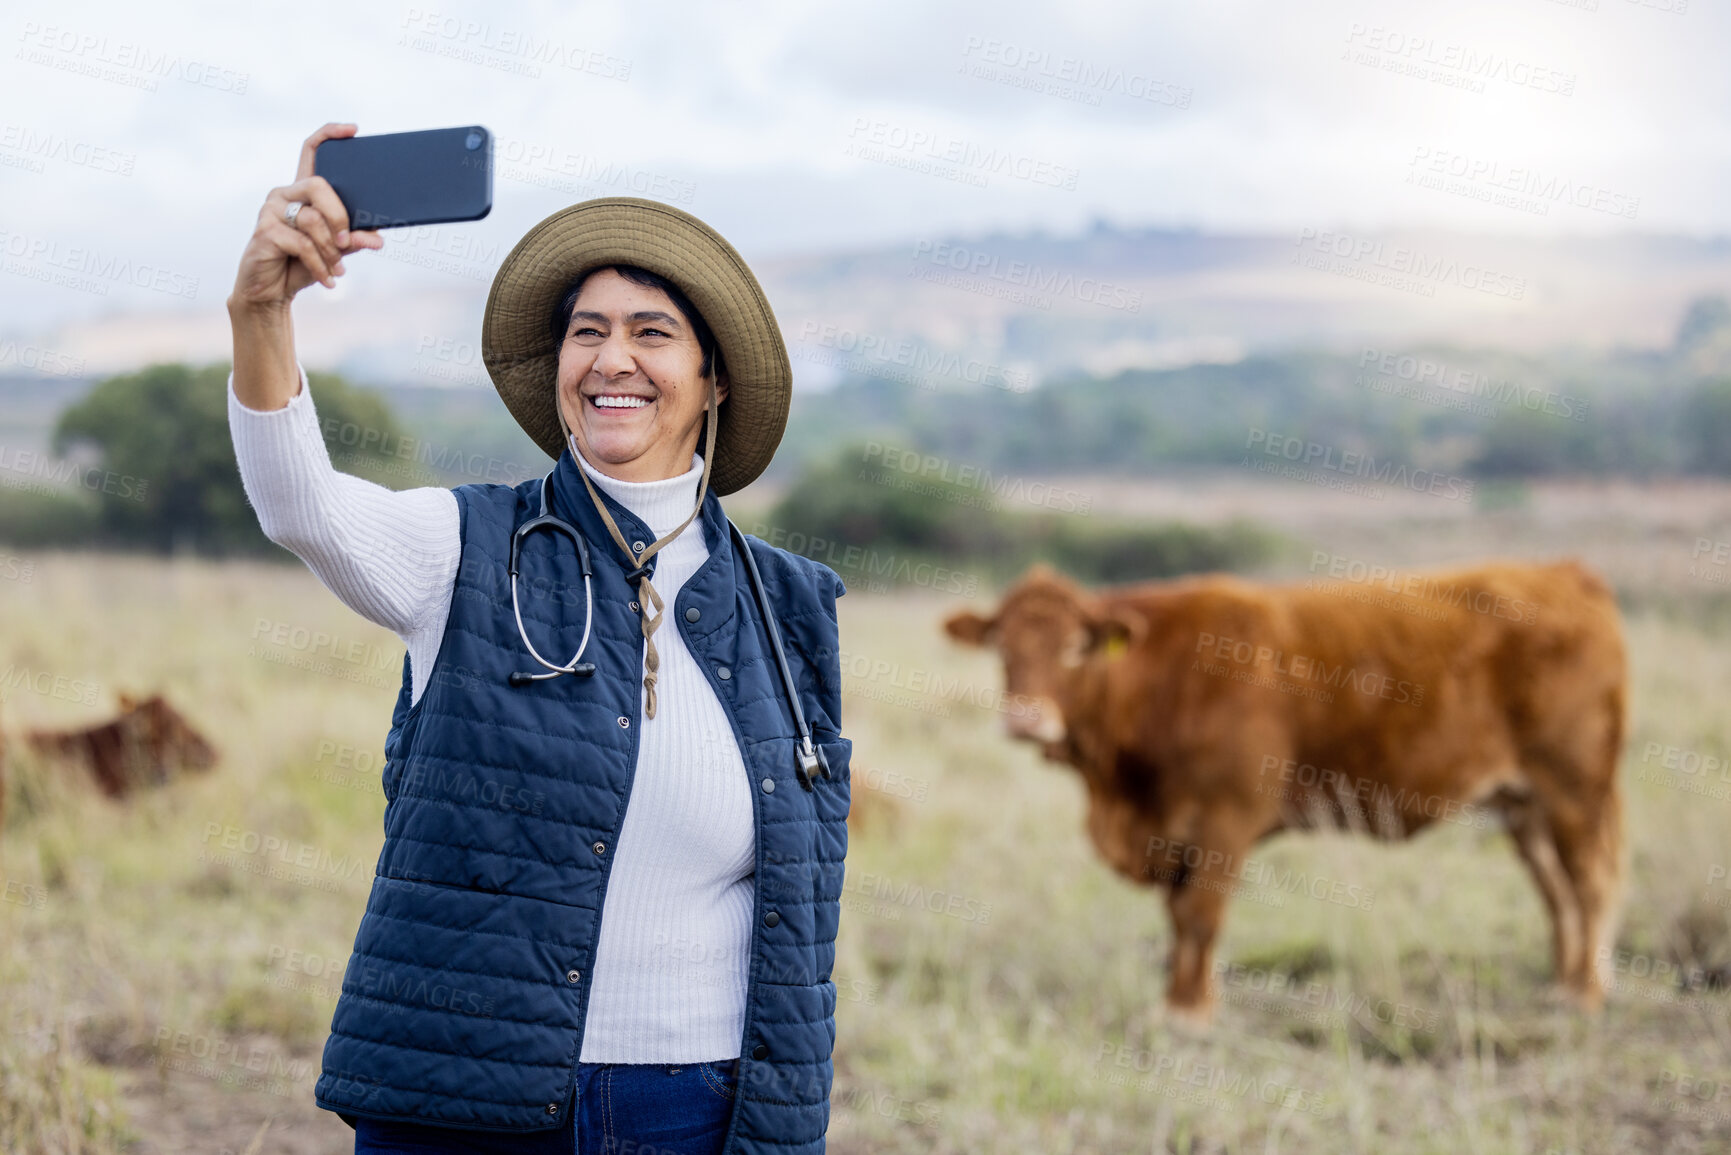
(389, 555)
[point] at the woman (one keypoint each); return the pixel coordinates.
(604, 914)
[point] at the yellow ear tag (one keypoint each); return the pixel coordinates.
(1115, 645)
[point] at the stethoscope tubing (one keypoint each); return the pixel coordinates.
(549, 521)
(809, 760)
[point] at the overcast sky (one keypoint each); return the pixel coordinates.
(151, 133)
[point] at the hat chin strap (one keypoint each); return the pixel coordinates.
(646, 595)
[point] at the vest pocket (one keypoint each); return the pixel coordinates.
(836, 753)
(831, 794)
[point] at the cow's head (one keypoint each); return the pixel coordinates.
(167, 737)
(1046, 630)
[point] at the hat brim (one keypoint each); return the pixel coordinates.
(522, 355)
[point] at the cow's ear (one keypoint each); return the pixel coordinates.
(1116, 630)
(969, 628)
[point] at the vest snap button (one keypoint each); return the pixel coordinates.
(723, 673)
(599, 848)
(760, 1052)
(769, 786)
(692, 614)
(624, 722)
(633, 606)
(772, 919)
(572, 976)
(636, 547)
(552, 1108)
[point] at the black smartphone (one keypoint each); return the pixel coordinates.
(396, 179)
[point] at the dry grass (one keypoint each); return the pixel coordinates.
(999, 988)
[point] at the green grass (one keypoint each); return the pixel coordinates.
(1028, 1020)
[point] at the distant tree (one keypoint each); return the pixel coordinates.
(1702, 322)
(861, 511)
(1707, 426)
(166, 477)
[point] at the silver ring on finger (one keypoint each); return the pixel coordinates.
(291, 212)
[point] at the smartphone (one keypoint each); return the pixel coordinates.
(397, 179)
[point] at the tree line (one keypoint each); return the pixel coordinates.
(145, 461)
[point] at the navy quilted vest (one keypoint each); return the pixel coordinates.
(463, 1002)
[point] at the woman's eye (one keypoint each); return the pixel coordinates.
(586, 331)
(652, 333)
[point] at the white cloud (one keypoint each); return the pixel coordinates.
(755, 105)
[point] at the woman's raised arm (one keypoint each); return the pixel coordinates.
(390, 556)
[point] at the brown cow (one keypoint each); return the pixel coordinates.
(145, 746)
(1208, 713)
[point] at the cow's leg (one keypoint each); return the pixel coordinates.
(1589, 839)
(1196, 914)
(1533, 838)
(1196, 900)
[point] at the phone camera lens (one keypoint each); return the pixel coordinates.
(473, 141)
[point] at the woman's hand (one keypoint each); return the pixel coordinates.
(282, 259)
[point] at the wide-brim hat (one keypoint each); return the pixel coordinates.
(522, 355)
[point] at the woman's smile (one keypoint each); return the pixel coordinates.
(619, 402)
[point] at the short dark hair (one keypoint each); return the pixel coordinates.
(706, 343)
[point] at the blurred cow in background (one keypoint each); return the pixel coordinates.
(146, 745)
(1209, 713)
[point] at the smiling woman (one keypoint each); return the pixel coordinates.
(635, 346)
(633, 371)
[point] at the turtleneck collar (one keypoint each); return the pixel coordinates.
(661, 504)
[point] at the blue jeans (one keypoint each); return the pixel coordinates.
(621, 1109)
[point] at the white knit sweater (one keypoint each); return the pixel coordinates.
(670, 965)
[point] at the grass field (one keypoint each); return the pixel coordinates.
(166, 982)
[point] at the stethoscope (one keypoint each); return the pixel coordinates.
(809, 760)
(553, 523)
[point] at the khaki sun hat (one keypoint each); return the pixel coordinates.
(522, 356)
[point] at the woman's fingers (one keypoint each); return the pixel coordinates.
(324, 219)
(335, 130)
(300, 246)
(312, 225)
(317, 192)
(274, 228)
(363, 239)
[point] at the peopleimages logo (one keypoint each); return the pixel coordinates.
(1352, 463)
(1399, 266)
(1434, 167)
(969, 477)
(85, 269)
(1066, 77)
(903, 359)
(879, 569)
(1024, 275)
(897, 144)
(1427, 372)
(56, 475)
(1305, 668)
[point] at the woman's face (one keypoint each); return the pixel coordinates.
(628, 380)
